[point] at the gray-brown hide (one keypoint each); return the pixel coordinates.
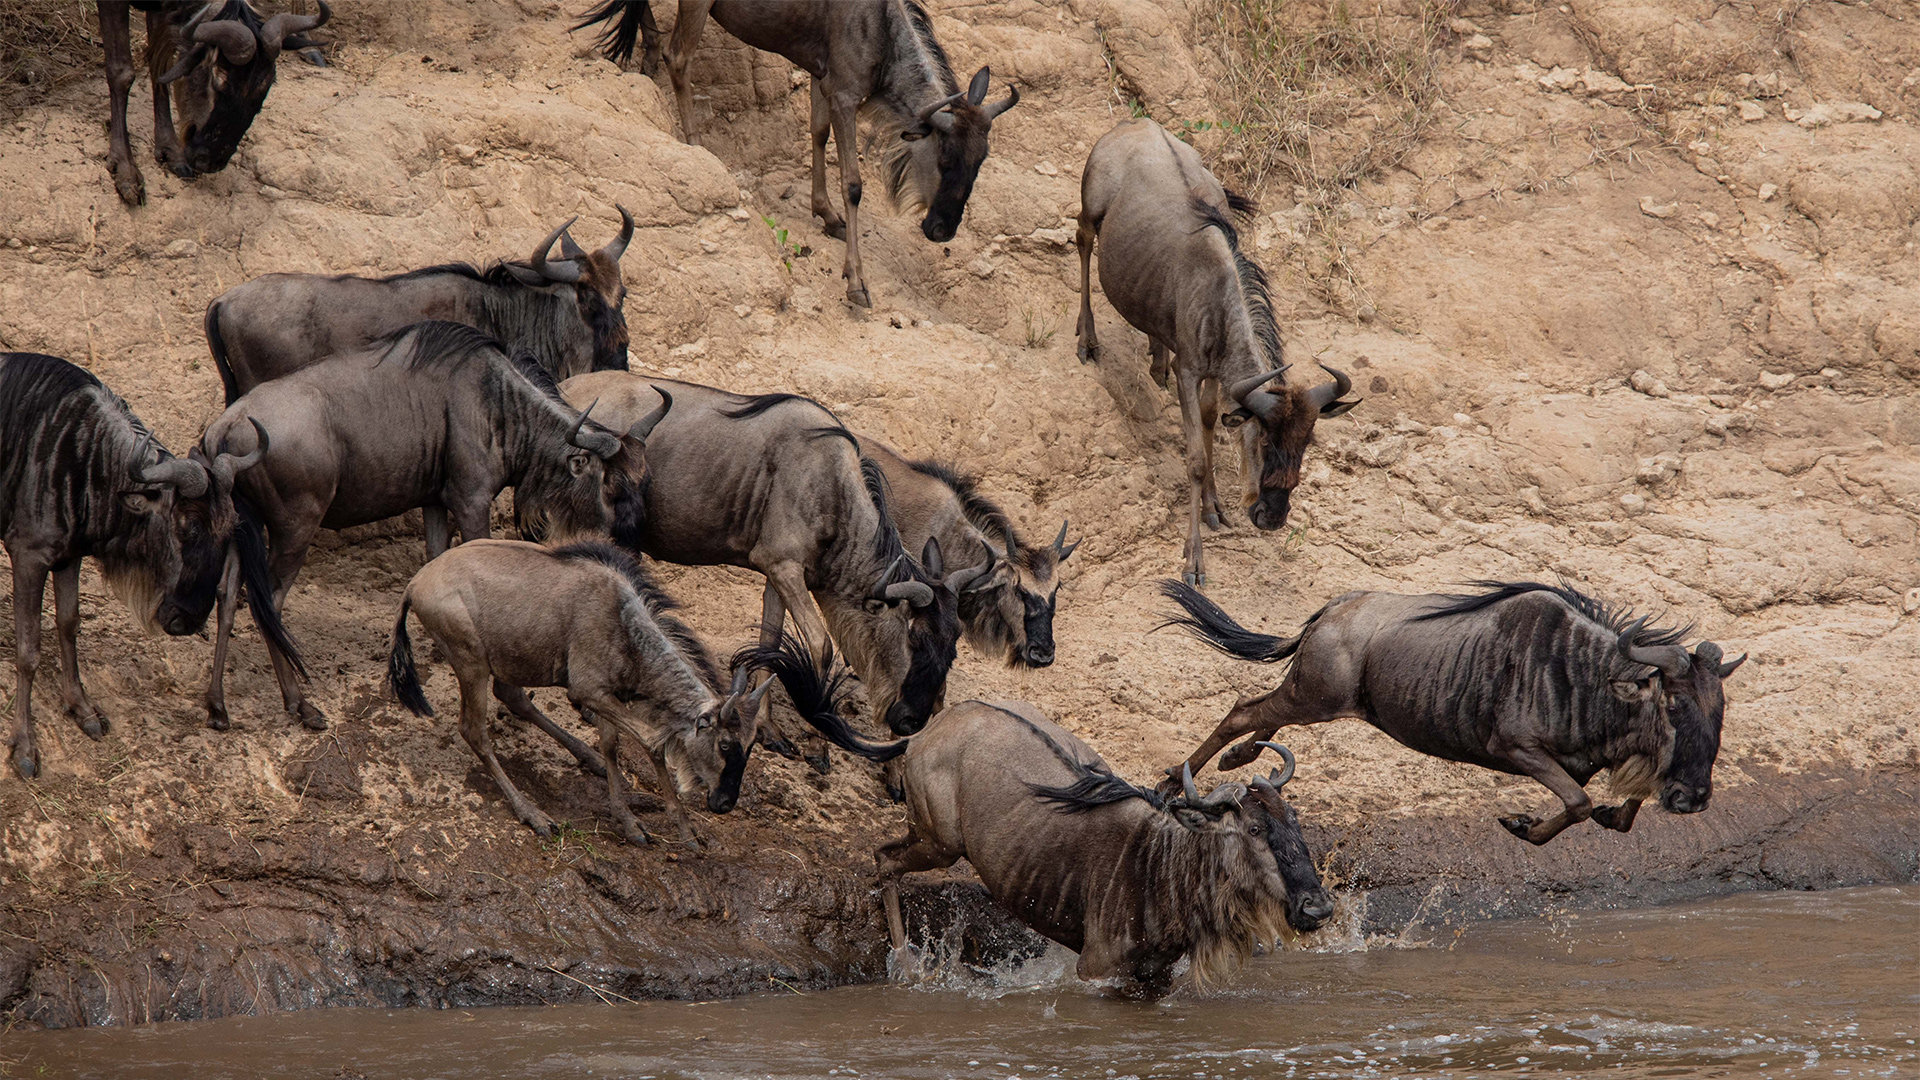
(776, 484)
(1010, 616)
(565, 312)
(513, 615)
(1129, 881)
(1171, 265)
(1523, 678)
(435, 417)
(213, 63)
(80, 476)
(873, 56)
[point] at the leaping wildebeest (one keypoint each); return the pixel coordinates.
(81, 476)
(777, 484)
(1012, 614)
(565, 312)
(1522, 678)
(226, 62)
(876, 56)
(1171, 265)
(1129, 880)
(586, 617)
(435, 416)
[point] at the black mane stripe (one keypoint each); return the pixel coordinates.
(1614, 618)
(494, 274)
(983, 513)
(1093, 786)
(1255, 290)
(923, 29)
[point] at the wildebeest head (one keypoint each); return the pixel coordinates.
(915, 636)
(1279, 440)
(577, 499)
(594, 282)
(1014, 609)
(625, 477)
(225, 69)
(1687, 690)
(939, 171)
(1308, 903)
(734, 723)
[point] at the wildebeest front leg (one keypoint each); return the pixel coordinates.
(167, 149)
(116, 34)
(66, 623)
(229, 601)
(284, 562)
(822, 125)
(629, 826)
(846, 140)
(1209, 418)
(671, 796)
(906, 855)
(439, 530)
(29, 592)
(687, 27)
(1199, 476)
(1083, 238)
(520, 705)
(1541, 766)
(1618, 818)
(474, 714)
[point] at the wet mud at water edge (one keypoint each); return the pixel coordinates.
(1758, 985)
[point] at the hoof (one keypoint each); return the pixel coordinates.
(1212, 519)
(311, 718)
(859, 298)
(1235, 757)
(96, 726)
(836, 229)
(637, 837)
(1198, 581)
(1519, 825)
(1089, 355)
(26, 765)
(906, 964)
(217, 719)
(541, 826)
(131, 186)
(896, 793)
(821, 764)
(312, 55)
(782, 747)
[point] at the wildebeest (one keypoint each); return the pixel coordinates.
(1171, 265)
(1523, 678)
(879, 56)
(777, 484)
(565, 313)
(1130, 881)
(1012, 614)
(583, 616)
(434, 416)
(226, 65)
(81, 476)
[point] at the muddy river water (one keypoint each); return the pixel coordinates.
(1762, 984)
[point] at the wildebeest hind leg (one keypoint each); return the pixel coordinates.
(167, 149)
(229, 601)
(1199, 473)
(1618, 818)
(906, 855)
(687, 27)
(473, 728)
(66, 621)
(521, 706)
(1083, 238)
(821, 125)
(1576, 806)
(116, 34)
(29, 592)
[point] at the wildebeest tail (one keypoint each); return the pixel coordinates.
(256, 576)
(1205, 620)
(401, 675)
(813, 694)
(217, 345)
(617, 37)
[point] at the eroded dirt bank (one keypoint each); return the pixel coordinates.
(1590, 198)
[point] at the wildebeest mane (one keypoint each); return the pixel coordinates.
(1093, 786)
(1255, 290)
(436, 343)
(1614, 617)
(494, 274)
(659, 604)
(984, 514)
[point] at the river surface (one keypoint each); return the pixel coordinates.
(1758, 985)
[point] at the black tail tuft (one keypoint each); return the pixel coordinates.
(1205, 620)
(813, 695)
(616, 39)
(217, 344)
(257, 577)
(1241, 204)
(401, 676)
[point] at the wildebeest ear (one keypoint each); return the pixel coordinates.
(1338, 408)
(930, 560)
(977, 89)
(141, 502)
(916, 132)
(1235, 418)
(1630, 691)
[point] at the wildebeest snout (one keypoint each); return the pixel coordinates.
(1038, 654)
(719, 802)
(179, 621)
(1307, 910)
(1269, 511)
(939, 227)
(904, 719)
(1685, 799)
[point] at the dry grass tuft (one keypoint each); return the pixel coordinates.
(44, 43)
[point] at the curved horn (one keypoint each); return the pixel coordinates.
(1670, 659)
(226, 466)
(1005, 103)
(1062, 549)
(187, 63)
(1187, 790)
(618, 246)
(277, 29)
(185, 477)
(565, 272)
(1239, 391)
(570, 250)
(886, 576)
(235, 42)
(1280, 776)
(960, 580)
(1322, 396)
(917, 593)
(926, 114)
(598, 443)
(645, 425)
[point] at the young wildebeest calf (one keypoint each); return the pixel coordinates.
(80, 476)
(1128, 880)
(565, 313)
(1535, 680)
(1170, 263)
(1012, 614)
(437, 417)
(584, 617)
